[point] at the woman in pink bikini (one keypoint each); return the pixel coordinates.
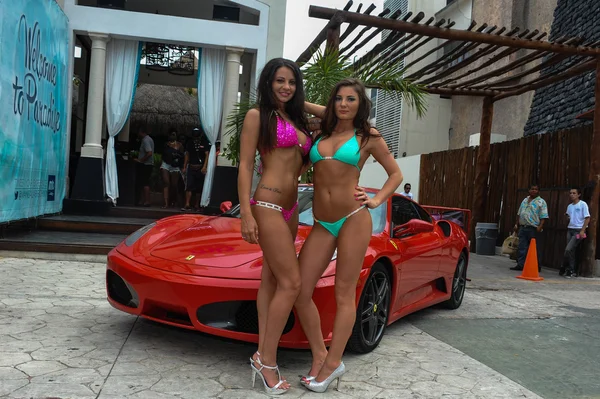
(277, 130)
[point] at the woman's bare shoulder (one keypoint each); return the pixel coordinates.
(253, 113)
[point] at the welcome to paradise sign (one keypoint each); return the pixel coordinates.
(34, 77)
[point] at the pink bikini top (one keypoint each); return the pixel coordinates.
(287, 136)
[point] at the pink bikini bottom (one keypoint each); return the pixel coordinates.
(287, 215)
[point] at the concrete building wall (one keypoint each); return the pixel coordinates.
(510, 114)
(61, 3)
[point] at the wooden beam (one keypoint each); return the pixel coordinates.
(588, 266)
(500, 55)
(361, 33)
(573, 61)
(335, 21)
(555, 59)
(394, 38)
(482, 167)
(352, 27)
(451, 34)
(433, 50)
(586, 115)
(461, 92)
(448, 57)
(534, 55)
(390, 55)
(569, 73)
(333, 38)
(480, 52)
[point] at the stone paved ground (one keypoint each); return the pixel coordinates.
(59, 338)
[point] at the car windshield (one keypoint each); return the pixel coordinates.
(305, 197)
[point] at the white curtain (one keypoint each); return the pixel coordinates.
(211, 85)
(122, 69)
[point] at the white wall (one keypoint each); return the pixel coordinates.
(428, 133)
(373, 175)
(459, 11)
(276, 31)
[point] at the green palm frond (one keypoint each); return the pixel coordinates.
(322, 74)
(392, 81)
(328, 67)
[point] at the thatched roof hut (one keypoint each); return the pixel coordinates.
(164, 107)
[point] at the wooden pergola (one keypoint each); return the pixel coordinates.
(460, 72)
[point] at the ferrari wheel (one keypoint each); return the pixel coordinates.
(372, 311)
(459, 283)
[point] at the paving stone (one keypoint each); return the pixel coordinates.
(11, 373)
(61, 352)
(433, 389)
(9, 344)
(66, 390)
(11, 359)
(126, 385)
(188, 387)
(9, 386)
(37, 367)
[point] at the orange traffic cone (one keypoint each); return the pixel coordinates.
(530, 270)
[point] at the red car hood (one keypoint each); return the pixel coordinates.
(212, 243)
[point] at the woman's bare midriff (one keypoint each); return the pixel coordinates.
(279, 181)
(335, 185)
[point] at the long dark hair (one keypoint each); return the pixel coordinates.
(267, 103)
(361, 120)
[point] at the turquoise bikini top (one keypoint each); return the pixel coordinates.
(348, 153)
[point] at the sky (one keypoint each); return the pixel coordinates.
(300, 29)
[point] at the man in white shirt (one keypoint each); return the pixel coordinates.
(407, 192)
(579, 218)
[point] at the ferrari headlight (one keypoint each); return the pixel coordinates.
(133, 237)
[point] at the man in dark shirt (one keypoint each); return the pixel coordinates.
(194, 166)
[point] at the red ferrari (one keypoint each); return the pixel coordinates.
(196, 272)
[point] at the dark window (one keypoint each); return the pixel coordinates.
(423, 214)
(403, 211)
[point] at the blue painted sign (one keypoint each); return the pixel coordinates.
(34, 59)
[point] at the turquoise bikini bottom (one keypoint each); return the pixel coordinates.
(335, 227)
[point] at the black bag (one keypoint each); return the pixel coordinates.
(177, 159)
(173, 157)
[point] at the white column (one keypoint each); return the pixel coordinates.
(95, 106)
(232, 86)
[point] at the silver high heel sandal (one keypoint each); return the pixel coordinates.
(306, 379)
(269, 390)
(322, 386)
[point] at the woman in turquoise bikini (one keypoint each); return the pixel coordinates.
(341, 221)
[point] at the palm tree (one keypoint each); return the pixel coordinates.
(321, 75)
(328, 68)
